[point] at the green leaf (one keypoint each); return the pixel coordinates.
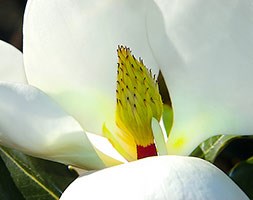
(197, 152)
(167, 118)
(8, 189)
(210, 148)
(167, 105)
(242, 174)
(37, 178)
(250, 160)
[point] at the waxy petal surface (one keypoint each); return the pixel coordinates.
(208, 69)
(33, 123)
(11, 64)
(164, 177)
(70, 51)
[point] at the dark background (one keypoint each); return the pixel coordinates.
(11, 18)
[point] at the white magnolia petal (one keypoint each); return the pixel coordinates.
(209, 69)
(11, 64)
(70, 51)
(163, 177)
(105, 150)
(34, 124)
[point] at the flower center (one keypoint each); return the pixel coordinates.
(138, 101)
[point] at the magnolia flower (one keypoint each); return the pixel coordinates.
(63, 99)
(58, 98)
(69, 56)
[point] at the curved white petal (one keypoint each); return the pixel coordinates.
(34, 124)
(105, 150)
(163, 177)
(208, 69)
(70, 51)
(11, 64)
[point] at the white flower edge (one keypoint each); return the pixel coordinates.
(164, 177)
(11, 64)
(33, 123)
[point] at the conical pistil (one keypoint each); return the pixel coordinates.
(138, 101)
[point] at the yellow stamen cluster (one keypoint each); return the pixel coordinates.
(138, 98)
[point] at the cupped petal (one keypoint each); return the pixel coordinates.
(163, 177)
(11, 64)
(33, 123)
(70, 51)
(209, 72)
